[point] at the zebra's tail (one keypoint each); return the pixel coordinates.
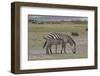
(44, 44)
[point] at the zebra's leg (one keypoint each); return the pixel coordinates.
(47, 50)
(56, 49)
(61, 50)
(50, 50)
(64, 48)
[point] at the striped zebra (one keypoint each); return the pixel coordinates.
(55, 38)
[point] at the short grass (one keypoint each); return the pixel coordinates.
(36, 41)
(58, 56)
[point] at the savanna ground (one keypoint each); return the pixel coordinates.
(36, 41)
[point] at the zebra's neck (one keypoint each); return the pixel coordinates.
(71, 41)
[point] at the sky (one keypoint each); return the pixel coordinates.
(55, 18)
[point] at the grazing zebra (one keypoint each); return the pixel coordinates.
(55, 38)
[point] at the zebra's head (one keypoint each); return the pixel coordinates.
(73, 47)
(74, 50)
(73, 44)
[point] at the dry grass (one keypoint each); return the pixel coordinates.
(36, 41)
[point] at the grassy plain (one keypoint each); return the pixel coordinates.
(36, 41)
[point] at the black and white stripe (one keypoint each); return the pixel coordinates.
(55, 35)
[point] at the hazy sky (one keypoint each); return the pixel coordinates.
(55, 18)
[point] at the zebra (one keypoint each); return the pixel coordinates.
(55, 38)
